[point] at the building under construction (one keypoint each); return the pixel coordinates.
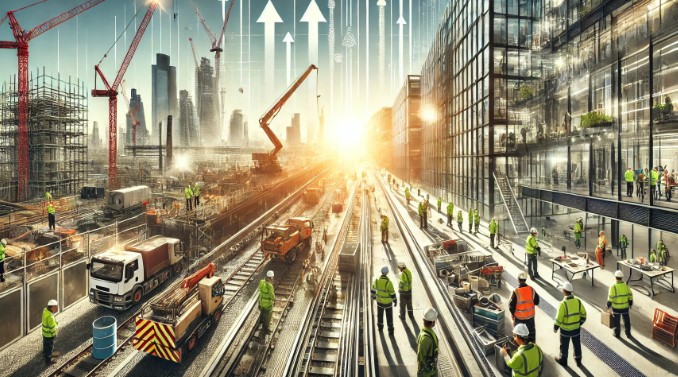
(57, 135)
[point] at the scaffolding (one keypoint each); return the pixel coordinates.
(57, 135)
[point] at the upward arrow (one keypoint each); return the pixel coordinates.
(312, 17)
(401, 24)
(269, 17)
(288, 41)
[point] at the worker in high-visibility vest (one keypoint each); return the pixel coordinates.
(48, 196)
(623, 244)
(629, 177)
(384, 229)
(405, 290)
(493, 227)
(620, 299)
(662, 253)
(51, 216)
(578, 227)
(470, 220)
(196, 194)
(384, 294)
(476, 221)
(407, 196)
(654, 179)
(528, 360)
(600, 249)
(266, 300)
(522, 306)
(188, 194)
(571, 315)
(50, 329)
(460, 221)
(427, 346)
(450, 214)
(3, 243)
(532, 249)
(439, 203)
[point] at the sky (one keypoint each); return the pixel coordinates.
(350, 88)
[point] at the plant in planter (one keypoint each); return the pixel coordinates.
(525, 92)
(595, 119)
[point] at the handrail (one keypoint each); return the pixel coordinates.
(522, 215)
(496, 181)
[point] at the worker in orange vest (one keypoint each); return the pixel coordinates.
(600, 249)
(522, 305)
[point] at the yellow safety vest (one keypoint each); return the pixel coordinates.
(570, 314)
(427, 353)
(528, 361)
(50, 209)
(49, 324)
(628, 176)
(405, 285)
(382, 290)
(266, 295)
(620, 295)
(531, 245)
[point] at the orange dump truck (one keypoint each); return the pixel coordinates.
(173, 322)
(287, 240)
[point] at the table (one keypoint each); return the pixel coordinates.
(655, 276)
(570, 271)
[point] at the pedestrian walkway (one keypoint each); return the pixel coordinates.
(603, 355)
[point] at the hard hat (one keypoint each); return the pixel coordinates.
(533, 230)
(568, 287)
(521, 330)
(384, 270)
(52, 302)
(4, 242)
(618, 274)
(401, 264)
(269, 274)
(601, 232)
(430, 315)
(522, 276)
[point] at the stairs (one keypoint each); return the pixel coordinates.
(511, 203)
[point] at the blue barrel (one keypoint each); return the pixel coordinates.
(104, 337)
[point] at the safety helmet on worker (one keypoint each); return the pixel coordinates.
(568, 287)
(384, 270)
(4, 242)
(601, 232)
(521, 330)
(269, 274)
(52, 302)
(533, 230)
(618, 274)
(522, 276)
(431, 315)
(401, 264)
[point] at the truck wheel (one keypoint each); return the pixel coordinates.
(137, 295)
(191, 342)
(292, 255)
(176, 269)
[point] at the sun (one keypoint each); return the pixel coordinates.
(348, 136)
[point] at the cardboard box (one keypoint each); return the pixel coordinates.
(606, 318)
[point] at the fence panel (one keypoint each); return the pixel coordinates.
(74, 283)
(11, 316)
(40, 291)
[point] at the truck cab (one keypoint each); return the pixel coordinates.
(119, 279)
(285, 241)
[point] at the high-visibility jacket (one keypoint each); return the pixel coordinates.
(578, 227)
(2, 252)
(450, 209)
(382, 291)
(49, 324)
(48, 196)
(196, 190)
(571, 314)
(188, 193)
(620, 297)
(524, 303)
(623, 241)
(531, 245)
(528, 361)
(439, 202)
(628, 176)
(654, 176)
(407, 193)
(266, 295)
(653, 256)
(427, 353)
(50, 208)
(384, 223)
(602, 242)
(460, 217)
(405, 285)
(660, 246)
(476, 217)
(470, 216)
(493, 226)
(421, 209)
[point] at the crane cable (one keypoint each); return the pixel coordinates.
(16, 10)
(121, 34)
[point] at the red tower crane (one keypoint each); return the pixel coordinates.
(20, 43)
(195, 57)
(111, 92)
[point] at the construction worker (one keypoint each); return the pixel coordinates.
(196, 195)
(571, 315)
(51, 216)
(266, 300)
(628, 177)
(427, 207)
(3, 243)
(405, 290)
(578, 227)
(384, 229)
(50, 329)
(661, 252)
(623, 244)
(493, 227)
(470, 220)
(440, 202)
(528, 360)
(476, 220)
(422, 216)
(600, 249)
(522, 306)
(48, 196)
(188, 194)
(460, 220)
(450, 214)
(532, 249)
(654, 179)
(620, 299)
(407, 196)
(653, 256)
(427, 346)
(383, 292)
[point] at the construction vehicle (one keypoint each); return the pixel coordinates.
(312, 195)
(287, 240)
(119, 279)
(172, 323)
(268, 162)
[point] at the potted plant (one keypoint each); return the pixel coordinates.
(595, 119)
(525, 92)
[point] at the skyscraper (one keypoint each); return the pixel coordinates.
(294, 131)
(188, 133)
(164, 91)
(206, 104)
(95, 139)
(136, 106)
(236, 137)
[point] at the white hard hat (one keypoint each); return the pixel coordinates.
(401, 264)
(618, 274)
(522, 276)
(430, 315)
(601, 232)
(384, 270)
(52, 302)
(4, 242)
(269, 274)
(521, 330)
(568, 287)
(533, 230)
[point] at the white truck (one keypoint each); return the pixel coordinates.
(119, 279)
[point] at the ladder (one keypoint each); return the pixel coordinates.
(511, 203)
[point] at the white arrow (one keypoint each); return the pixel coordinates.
(269, 17)
(288, 40)
(401, 24)
(381, 4)
(312, 17)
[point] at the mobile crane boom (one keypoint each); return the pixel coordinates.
(268, 162)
